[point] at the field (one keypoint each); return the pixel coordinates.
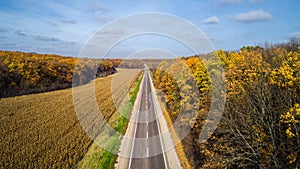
(43, 131)
(104, 156)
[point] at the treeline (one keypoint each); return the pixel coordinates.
(136, 63)
(25, 73)
(260, 126)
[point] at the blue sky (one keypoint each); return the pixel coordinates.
(64, 27)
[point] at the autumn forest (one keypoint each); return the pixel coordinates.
(260, 123)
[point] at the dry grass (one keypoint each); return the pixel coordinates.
(43, 131)
(179, 146)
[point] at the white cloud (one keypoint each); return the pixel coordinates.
(211, 20)
(20, 33)
(68, 21)
(46, 38)
(103, 18)
(230, 1)
(256, 1)
(253, 16)
(97, 8)
(294, 35)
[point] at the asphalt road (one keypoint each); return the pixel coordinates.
(147, 147)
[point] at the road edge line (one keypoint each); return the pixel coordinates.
(137, 116)
(159, 129)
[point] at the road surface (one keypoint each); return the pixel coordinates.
(147, 127)
(142, 146)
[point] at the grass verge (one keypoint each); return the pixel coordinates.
(179, 146)
(99, 158)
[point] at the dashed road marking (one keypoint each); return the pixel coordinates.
(147, 151)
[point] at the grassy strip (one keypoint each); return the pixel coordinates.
(99, 158)
(178, 147)
(108, 159)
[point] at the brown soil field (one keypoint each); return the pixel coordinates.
(43, 131)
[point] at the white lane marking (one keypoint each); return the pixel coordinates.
(157, 118)
(147, 112)
(136, 121)
(147, 118)
(147, 151)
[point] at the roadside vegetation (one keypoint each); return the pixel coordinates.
(135, 63)
(260, 126)
(179, 148)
